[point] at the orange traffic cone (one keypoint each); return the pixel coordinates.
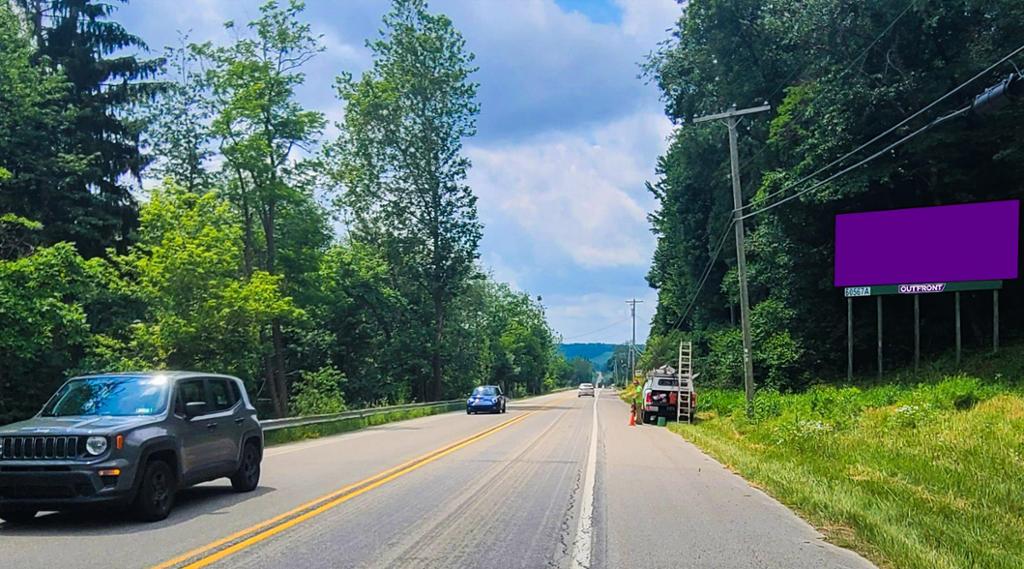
(632, 417)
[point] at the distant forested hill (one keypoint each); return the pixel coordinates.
(598, 354)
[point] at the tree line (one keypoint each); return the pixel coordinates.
(836, 74)
(324, 272)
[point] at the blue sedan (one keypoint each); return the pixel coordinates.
(486, 398)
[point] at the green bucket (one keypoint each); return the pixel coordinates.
(661, 421)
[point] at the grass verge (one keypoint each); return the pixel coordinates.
(912, 475)
(292, 434)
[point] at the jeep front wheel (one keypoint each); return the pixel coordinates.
(247, 478)
(156, 492)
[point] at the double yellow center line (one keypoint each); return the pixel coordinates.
(217, 550)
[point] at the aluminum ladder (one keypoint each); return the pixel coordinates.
(685, 387)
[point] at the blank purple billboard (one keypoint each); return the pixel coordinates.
(969, 242)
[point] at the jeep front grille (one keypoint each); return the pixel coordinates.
(39, 448)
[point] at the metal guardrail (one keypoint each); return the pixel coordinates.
(275, 424)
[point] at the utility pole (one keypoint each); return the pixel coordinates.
(732, 120)
(632, 343)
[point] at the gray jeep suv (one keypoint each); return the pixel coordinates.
(129, 439)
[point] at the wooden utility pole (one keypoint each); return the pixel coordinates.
(732, 120)
(632, 343)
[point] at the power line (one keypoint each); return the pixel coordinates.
(705, 274)
(888, 131)
(708, 267)
(612, 325)
(725, 233)
(849, 66)
(817, 185)
(803, 109)
(863, 52)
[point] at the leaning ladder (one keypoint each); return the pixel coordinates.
(683, 400)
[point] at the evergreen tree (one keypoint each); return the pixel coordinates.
(34, 158)
(93, 207)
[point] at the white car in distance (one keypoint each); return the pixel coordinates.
(585, 389)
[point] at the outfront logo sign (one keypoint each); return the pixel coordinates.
(921, 288)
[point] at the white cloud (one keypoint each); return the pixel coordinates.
(649, 18)
(567, 133)
(543, 69)
(580, 193)
(502, 271)
(351, 54)
(165, 21)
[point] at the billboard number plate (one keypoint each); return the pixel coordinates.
(857, 291)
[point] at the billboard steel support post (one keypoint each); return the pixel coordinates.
(878, 300)
(957, 309)
(917, 332)
(995, 321)
(849, 338)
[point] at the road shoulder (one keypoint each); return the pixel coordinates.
(667, 504)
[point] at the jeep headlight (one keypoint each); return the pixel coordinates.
(96, 445)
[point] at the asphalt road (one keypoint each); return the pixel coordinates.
(541, 486)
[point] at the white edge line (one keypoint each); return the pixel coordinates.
(583, 545)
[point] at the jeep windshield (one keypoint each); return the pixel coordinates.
(114, 395)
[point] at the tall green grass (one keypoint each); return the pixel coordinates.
(916, 474)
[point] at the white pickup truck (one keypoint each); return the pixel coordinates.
(661, 396)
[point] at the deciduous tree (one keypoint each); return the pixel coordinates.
(837, 73)
(203, 310)
(259, 126)
(401, 165)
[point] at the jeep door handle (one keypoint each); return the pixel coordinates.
(238, 420)
(211, 425)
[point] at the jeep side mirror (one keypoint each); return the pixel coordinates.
(195, 408)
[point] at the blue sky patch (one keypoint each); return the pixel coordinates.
(598, 11)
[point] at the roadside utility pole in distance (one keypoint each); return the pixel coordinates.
(732, 120)
(632, 343)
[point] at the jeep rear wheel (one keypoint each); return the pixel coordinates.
(156, 492)
(247, 478)
(17, 516)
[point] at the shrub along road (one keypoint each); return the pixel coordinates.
(454, 490)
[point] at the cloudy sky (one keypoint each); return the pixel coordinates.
(567, 134)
